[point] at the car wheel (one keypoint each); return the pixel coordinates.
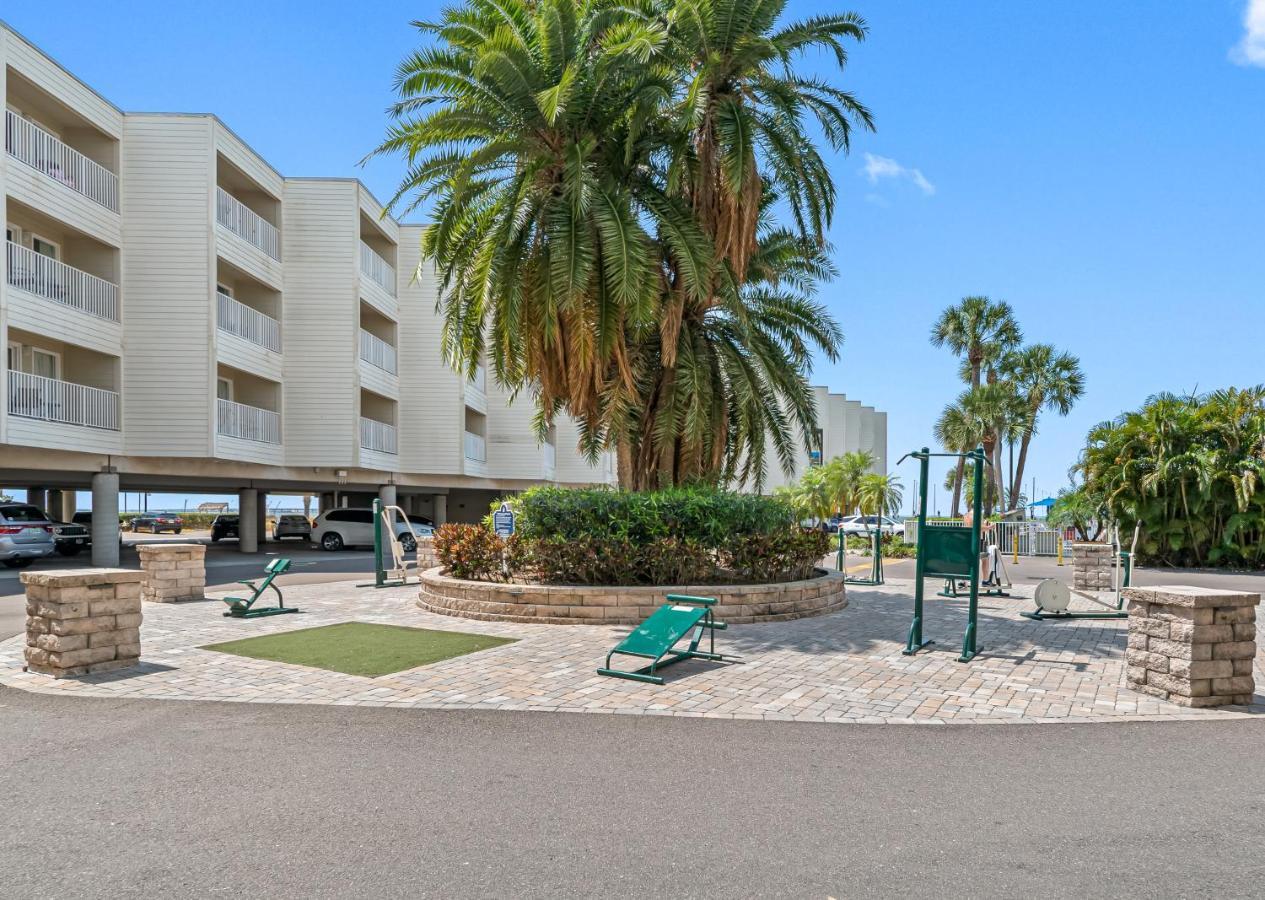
(69, 551)
(17, 563)
(215, 538)
(135, 528)
(408, 542)
(331, 541)
(177, 531)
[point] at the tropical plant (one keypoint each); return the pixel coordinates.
(1044, 379)
(879, 494)
(1190, 470)
(601, 178)
(1081, 509)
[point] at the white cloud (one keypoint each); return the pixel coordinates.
(879, 167)
(1251, 50)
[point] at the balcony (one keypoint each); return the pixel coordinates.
(476, 447)
(50, 400)
(377, 352)
(46, 277)
(247, 224)
(237, 318)
(377, 269)
(378, 436)
(28, 143)
(248, 423)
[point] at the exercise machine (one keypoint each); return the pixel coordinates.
(876, 558)
(948, 551)
(1053, 597)
(994, 577)
(655, 638)
(385, 539)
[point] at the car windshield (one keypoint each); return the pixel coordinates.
(22, 514)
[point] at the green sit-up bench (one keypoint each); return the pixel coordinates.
(241, 608)
(655, 637)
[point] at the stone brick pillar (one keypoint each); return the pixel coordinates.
(80, 621)
(1191, 645)
(173, 572)
(426, 558)
(1091, 566)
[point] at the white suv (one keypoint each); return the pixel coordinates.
(865, 525)
(339, 528)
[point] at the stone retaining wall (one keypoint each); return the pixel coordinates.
(587, 605)
(173, 572)
(1092, 566)
(1190, 645)
(80, 621)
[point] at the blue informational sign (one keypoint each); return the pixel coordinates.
(503, 521)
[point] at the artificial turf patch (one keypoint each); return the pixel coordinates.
(360, 648)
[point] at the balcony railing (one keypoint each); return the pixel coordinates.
(239, 319)
(34, 146)
(36, 397)
(375, 435)
(247, 224)
(476, 447)
(59, 282)
(480, 380)
(249, 423)
(377, 352)
(377, 268)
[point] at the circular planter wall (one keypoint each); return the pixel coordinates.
(588, 605)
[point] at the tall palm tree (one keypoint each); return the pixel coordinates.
(958, 431)
(1046, 380)
(981, 331)
(880, 494)
(600, 176)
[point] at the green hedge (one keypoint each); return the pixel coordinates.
(604, 537)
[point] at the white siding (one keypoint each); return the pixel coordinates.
(322, 268)
(32, 312)
(513, 450)
(28, 61)
(168, 286)
(572, 467)
(432, 415)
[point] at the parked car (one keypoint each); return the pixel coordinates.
(156, 523)
(71, 538)
(224, 526)
(292, 526)
(339, 528)
(865, 525)
(26, 535)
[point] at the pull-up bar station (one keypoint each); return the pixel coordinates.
(948, 551)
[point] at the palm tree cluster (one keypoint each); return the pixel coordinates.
(600, 178)
(1190, 469)
(843, 485)
(1010, 385)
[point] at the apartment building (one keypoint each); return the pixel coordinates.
(179, 316)
(844, 426)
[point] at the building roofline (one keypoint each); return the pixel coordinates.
(55, 61)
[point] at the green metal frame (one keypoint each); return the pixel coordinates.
(663, 654)
(244, 608)
(876, 558)
(940, 556)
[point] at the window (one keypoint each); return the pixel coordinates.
(223, 389)
(45, 247)
(339, 515)
(22, 514)
(13, 234)
(224, 289)
(45, 364)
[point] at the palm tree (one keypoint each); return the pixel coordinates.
(981, 331)
(600, 176)
(846, 474)
(880, 494)
(1046, 380)
(956, 431)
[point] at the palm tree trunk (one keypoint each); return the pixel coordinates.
(957, 488)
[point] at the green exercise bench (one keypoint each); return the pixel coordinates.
(241, 608)
(662, 630)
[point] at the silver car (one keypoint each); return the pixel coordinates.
(26, 534)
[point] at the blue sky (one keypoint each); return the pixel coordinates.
(1098, 165)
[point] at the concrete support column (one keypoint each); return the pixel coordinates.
(263, 518)
(53, 508)
(37, 497)
(441, 509)
(327, 501)
(387, 495)
(248, 520)
(105, 519)
(69, 505)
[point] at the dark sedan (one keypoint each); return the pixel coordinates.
(156, 523)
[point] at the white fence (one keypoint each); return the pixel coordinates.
(36, 397)
(237, 318)
(57, 281)
(476, 447)
(247, 224)
(377, 352)
(1032, 538)
(375, 435)
(34, 146)
(377, 268)
(250, 423)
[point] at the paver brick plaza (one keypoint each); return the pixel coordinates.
(844, 667)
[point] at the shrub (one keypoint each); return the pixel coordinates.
(894, 546)
(470, 551)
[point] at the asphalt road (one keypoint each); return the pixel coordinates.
(136, 798)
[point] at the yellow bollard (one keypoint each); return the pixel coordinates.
(1015, 556)
(1060, 543)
